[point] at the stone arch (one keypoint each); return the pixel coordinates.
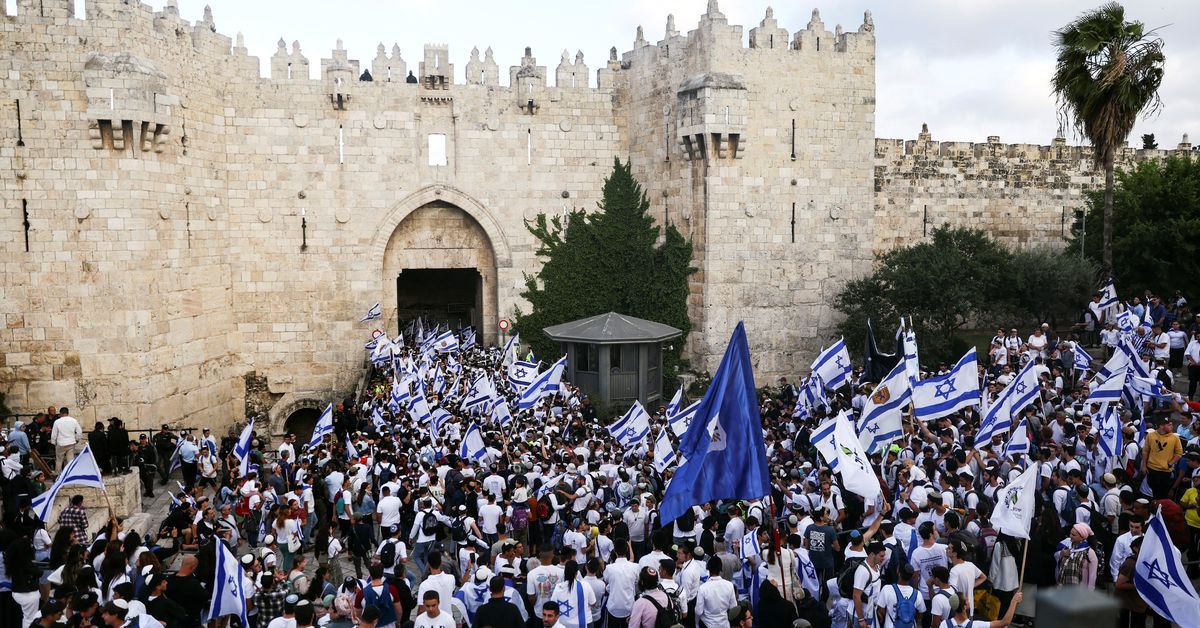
(289, 404)
(440, 228)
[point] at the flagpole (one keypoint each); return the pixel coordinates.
(1024, 553)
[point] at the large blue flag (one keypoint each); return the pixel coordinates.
(324, 426)
(946, 394)
(228, 593)
(723, 447)
(1160, 580)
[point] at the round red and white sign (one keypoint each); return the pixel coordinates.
(504, 324)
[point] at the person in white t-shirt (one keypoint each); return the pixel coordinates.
(434, 616)
(490, 515)
(964, 575)
(388, 509)
(888, 600)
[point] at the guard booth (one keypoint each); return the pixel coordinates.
(615, 358)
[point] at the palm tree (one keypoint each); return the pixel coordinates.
(1107, 74)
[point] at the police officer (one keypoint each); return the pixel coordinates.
(164, 445)
(146, 462)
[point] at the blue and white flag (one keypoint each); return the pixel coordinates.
(375, 312)
(351, 451)
(822, 439)
(377, 418)
(501, 414)
(473, 447)
(228, 593)
(750, 545)
(833, 365)
(481, 394)
(946, 394)
(858, 476)
(446, 342)
(80, 471)
(324, 426)
(437, 419)
(242, 449)
(912, 363)
(548, 485)
(676, 403)
(176, 460)
(542, 385)
(1108, 432)
(1148, 387)
(521, 374)
(1159, 577)
(1020, 392)
(1125, 321)
(1109, 391)
(382, 353)
(724, 450)
(419, 410)
(882, 417)
(632, 427)
(664, 453)
(510, 350)
(807, 572)
(574, 611)
(1083, 359)
(1108, 296)
(371, 344)
(1018, 442)
(468, 338)
(680, 422)
(812, 397)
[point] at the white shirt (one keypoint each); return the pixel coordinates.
(577, 542)
(282, 622)
(1164, 351)
(66, 431)
(489, 517)
(962, 578)
(541, 582)
(713, 601)
(443, 583)
(389, 511)
(443, 620)
(888, 601)
(621, 577)
(924, 559)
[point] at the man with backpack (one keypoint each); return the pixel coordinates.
(380, 595)
(392, 552)
(426, 526)
(859, 584)
(900, 605)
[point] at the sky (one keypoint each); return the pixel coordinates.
(968, 68)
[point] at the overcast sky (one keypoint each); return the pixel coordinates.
(970, 68)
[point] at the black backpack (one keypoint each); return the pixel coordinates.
(845, 579)
(666, 616)
(387, 555)
(429, 523)
(894, 559)
(687, 521)
(458, 530)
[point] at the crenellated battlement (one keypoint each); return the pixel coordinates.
(925, 148)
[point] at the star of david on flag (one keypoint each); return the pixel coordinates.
(833, 365)
(1159, 577)
(946, 394)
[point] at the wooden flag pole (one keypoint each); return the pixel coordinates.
(1024, 553)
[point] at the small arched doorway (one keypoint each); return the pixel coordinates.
(301, 423)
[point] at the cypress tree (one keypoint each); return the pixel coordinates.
(609, 260)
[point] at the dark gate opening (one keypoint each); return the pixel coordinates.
(440, 295)
(301, 423)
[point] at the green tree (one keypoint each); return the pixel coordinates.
(1156, 219)
(959, 279)
(1148, 141)
(1107, 74)
(608, 260)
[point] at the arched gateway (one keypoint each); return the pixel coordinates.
(441, 251)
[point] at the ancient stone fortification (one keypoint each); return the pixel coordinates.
(185, 240)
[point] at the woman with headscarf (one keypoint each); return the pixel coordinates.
(773, 610)
(1076, 559)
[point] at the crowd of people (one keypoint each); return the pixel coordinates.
(384, 522)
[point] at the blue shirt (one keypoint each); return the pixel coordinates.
(20, 440)
(188, 451)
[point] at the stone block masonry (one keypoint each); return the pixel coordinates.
(186, 241)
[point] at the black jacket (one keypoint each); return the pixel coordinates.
(498, 613)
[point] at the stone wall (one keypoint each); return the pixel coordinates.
(1021, 194)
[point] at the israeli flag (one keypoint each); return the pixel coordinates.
(812, 396)
(1149, 387)
(1019, 393)
(521, 374)
(446, 342)
(1108, 296)
(437, 419)
(1125, 321)
(176, 461)
(81, 471)
(228, 595)
(912, 363)
(822, 439)
(1018, 443)
(858, 476)
(468, 336)
(501, 413)
(419, 410)
(377, 418)
(750, 545)
(510, 350)
(1108, 430)
(1159, 577)
(807, 572)
(882, 417)
(324, 426)
(1083, 359)
(1109, 391)
(946, 394)
(375, 312)
(572, 605)
(632, 427)
(548, 485)
(382, 353)
(473, 447)
(242, 449)
(351, 451)
(664, 453)
(676, 403)
(371, 344)
(680, 422)
(482, 392)
(542, 385)
(833, 365)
